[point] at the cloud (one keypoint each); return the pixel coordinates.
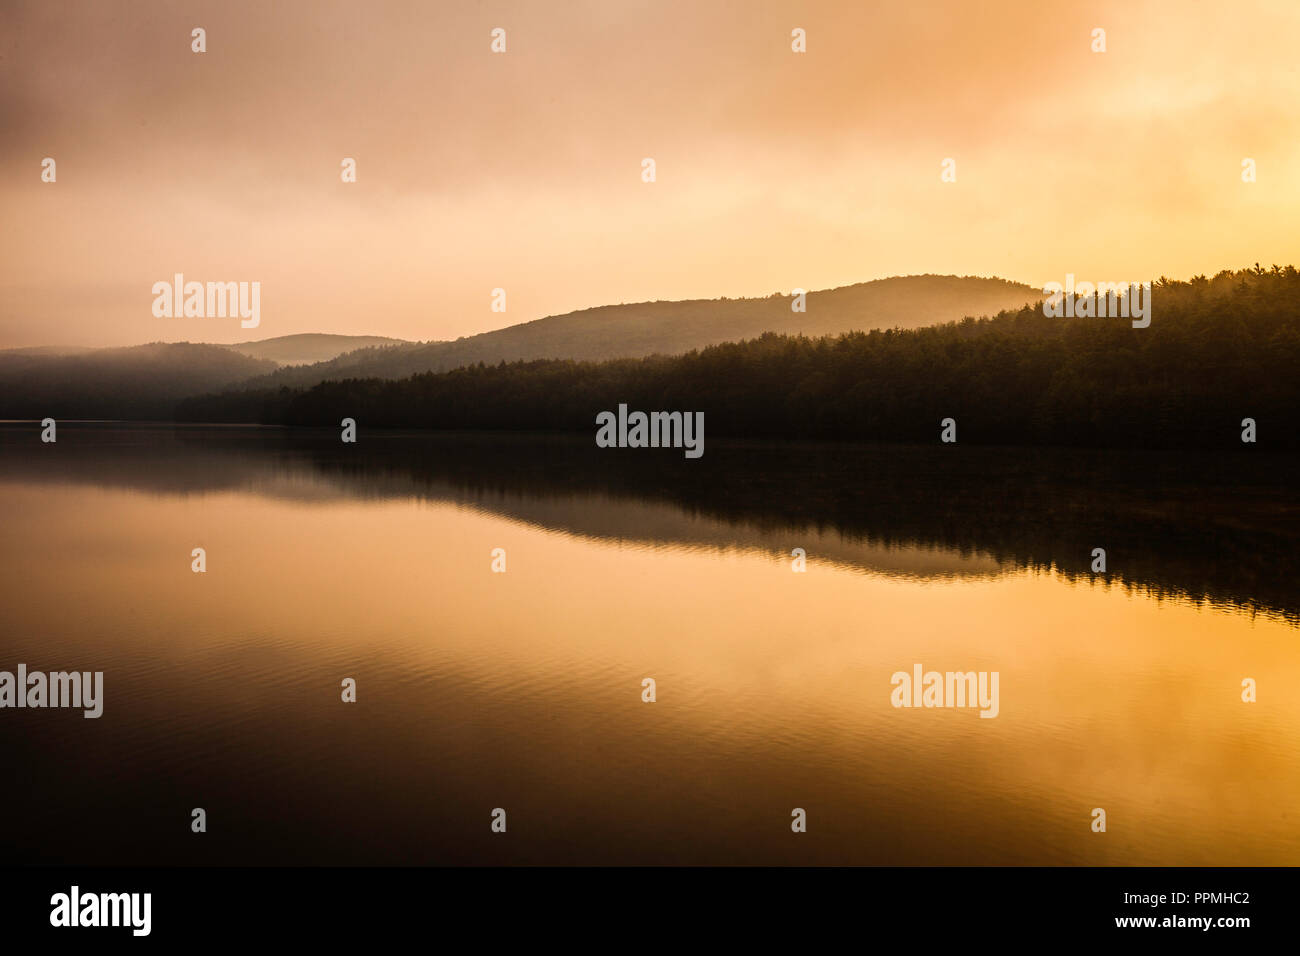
(522, 170)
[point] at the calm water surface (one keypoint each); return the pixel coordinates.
(522, 690)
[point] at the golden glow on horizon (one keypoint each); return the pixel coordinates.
(521, 171)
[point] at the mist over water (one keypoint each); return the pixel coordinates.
(522, 690)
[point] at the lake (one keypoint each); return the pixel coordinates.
(522, 690)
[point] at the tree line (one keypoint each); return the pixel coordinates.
(1218, 350)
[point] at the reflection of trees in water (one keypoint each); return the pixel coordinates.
(1218, 528)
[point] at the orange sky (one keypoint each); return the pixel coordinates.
(522, 170)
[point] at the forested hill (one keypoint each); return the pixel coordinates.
(136, 382)
(310, 347)
(1217, 351)
(672, 328)
(145, 382)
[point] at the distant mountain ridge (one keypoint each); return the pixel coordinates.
(146, 381)
(673, 328)
(308, 348)
(136, 382)
(1215, 368)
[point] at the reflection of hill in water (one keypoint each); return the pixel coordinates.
(1223, 528)
(636, 521)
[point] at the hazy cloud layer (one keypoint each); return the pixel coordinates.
(522, 170)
